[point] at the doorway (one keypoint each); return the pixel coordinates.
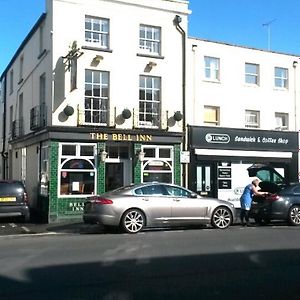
(117, 174)
(205, 184)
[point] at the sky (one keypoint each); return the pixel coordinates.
(263, 24)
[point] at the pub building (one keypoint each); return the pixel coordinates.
(99, 161)
(82, 113)
(219, 158)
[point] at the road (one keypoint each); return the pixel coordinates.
(238, 263)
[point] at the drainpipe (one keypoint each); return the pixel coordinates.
(3, 152)
(295, 63)
(177, 20)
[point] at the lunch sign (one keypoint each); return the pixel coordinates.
(230, 138)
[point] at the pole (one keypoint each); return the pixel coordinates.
(268, 25)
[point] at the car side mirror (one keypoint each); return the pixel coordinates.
(194, 195)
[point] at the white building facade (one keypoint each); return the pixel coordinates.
(94, 101)
(112, 94)
(243, 109)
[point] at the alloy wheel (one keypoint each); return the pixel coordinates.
(294, 215)
(221, 218)
(133, 221)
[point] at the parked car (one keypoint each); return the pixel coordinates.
(155, 204)
(13, 200)
(283, 201)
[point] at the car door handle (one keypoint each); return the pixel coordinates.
(145, 199)
(176, 199)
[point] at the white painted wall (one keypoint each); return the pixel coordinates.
(231, 94)
(123, 63)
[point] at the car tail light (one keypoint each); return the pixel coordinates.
(25, 198)
(100, 200)
(272, 197)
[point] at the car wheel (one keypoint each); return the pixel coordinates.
(221, 218)
(133, 221)
(294, 215)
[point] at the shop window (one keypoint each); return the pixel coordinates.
(158, 164)
(44, 170)
(77, 172)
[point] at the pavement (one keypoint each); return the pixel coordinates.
(11, 227)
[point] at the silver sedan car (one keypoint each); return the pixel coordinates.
(155, 204)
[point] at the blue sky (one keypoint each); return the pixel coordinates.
(237, 22)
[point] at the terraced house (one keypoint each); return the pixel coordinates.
(94, 101)
(118, 93)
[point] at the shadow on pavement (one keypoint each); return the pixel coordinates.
(239, 275)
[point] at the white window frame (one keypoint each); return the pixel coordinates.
(212, 68)
(281, 79)
(150, 39)
(157, 159)
(149, 109)
(99, 104)
(281, 121)
(252, 77)
(63, 159)
(97, 37)
(252, 119)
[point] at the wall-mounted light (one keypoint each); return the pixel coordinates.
(140, 155)
(151, 64)
(295, 63)
(96, 60)
(103, 155)
(68, 110)
(126, 113)
(178, 116)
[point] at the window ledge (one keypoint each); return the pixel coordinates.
(281, 89)
(252, 85)
(150, 55)
(212, 80)
(42, 53)
(97, 49)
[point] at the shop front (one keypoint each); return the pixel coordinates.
(98, 162)
(220, 158)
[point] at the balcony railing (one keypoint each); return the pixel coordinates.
(111, 118)
(38, 117)
(17, 128)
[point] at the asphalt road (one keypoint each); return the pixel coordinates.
(238, 263)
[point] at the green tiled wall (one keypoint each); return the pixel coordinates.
(177, 165)
(61, 208)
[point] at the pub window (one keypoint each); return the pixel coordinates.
(77, 170)
(158, 164)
